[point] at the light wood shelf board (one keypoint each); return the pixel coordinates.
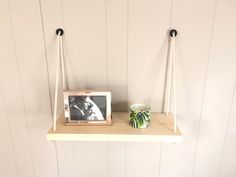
(160, 130)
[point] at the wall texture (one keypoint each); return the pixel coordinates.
(120, 45)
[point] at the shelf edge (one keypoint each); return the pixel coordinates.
(115, 138)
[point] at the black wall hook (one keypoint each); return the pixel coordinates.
(173, 32)
(60, 31)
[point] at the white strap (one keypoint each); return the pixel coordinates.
(64, 85)
(169, 77)
(170, 89)
(60, 65)
(174, 87)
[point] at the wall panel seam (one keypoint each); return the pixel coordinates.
(162, 147)
(127, 54)
(46, 58)
(171, 13)
(107, 83)
(108, 160)
(62, 13)
(10, 131)
(204, 90)
(227, 129)
(21, 89)
(48, 81)
(160, 160)
(74, 159)
(106, 43)
(73, 143)
(127, 74)
(126, 159)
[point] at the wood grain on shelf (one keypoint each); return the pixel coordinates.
(160, 130)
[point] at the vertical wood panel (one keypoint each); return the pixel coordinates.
(116, 23)
(66, 159)
(84, 23)
(85, 45)
(117, 52)
(117, 159)
(219, 92)
(91, 159)
(147, 44)
(8, 166)
(226, 17)
(228, 163)
(53, 19)
(27, 29)
(13, 100)
(8, 163)
(192, 50)
(143, 159)
(148, 23)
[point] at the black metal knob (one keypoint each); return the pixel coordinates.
(173, 32)
(60, 31)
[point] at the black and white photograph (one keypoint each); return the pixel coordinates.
(87, 107)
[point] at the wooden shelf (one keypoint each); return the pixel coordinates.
(160, 130)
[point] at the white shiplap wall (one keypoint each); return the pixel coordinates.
(120, 45)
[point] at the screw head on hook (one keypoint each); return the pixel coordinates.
(60, 31)
(173, 32)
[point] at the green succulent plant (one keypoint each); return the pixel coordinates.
(139, 115)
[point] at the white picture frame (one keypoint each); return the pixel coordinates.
(87, 107)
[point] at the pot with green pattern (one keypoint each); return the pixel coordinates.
(139, 115)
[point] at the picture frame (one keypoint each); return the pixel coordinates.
(87, 107)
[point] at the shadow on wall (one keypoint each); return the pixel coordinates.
(119, 106)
